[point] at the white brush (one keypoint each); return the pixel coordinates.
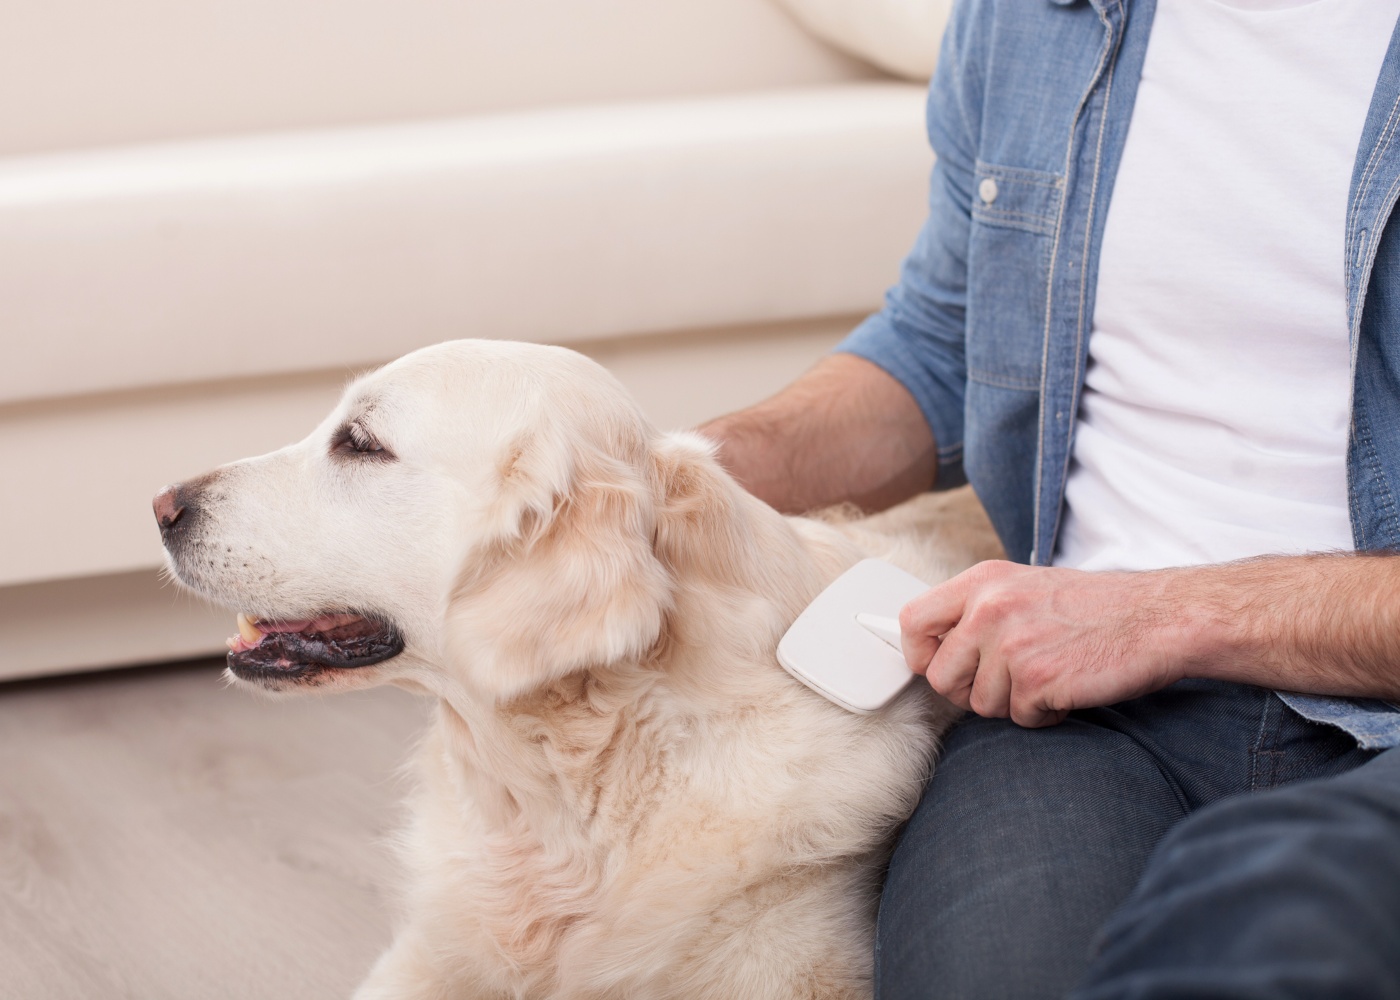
(845, 645)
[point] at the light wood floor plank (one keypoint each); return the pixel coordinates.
(163, 836)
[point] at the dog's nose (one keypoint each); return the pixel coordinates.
(168, 507)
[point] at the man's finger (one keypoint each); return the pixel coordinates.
(918, 650)
(938, 609)
(991, 689)
(929, 616)
(954, 668)
(1028, 714)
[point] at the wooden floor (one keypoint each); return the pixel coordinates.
(163, 836)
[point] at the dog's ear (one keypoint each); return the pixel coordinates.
(699, 529)
(577, 583)
(715, 536)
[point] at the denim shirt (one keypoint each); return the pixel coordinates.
(989, 325)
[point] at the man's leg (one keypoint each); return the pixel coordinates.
(1024, 843)
(1289, 893)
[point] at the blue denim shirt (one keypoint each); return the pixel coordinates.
(989, 325)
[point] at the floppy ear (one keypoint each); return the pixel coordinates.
(700, 528)
(714, 536)
(576, 585)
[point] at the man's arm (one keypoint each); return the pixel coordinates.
(1035, 643)
(862, 425)
(844, 432)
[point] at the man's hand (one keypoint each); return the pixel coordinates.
(1036, 643)
(1032, 643)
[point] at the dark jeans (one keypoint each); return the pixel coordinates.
(1121, 854)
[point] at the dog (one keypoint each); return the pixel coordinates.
(622, 794)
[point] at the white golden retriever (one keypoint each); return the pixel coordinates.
(623, 794)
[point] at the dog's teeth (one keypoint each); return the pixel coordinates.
(248, 630)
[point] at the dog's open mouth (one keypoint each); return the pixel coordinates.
(267, 648)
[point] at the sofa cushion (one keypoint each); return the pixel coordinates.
(901, 36)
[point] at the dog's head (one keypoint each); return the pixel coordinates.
(496, 512)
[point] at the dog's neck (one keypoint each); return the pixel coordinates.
(739, 572)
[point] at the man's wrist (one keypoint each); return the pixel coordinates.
(1278, 621)
(1202, 620)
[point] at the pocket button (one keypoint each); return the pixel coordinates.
(987, 190)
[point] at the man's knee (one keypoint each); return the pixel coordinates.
(1333, 829)
(1292, 892)
(1024, 842)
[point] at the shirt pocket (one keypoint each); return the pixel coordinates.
(1015, 216)
(1017, 198)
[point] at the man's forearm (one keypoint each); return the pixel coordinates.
(1035, 643)
(1320, 624)
(846, 431)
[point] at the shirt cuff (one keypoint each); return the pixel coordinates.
(939, 395)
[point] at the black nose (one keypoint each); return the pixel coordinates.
(168, 507)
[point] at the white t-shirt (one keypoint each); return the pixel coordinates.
(1213, 421)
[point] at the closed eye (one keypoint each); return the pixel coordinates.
(354, 441)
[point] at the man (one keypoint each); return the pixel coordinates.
(1145, 390)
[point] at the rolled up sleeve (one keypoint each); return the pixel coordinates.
(919, 337)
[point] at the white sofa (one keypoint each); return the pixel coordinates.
(212, 212)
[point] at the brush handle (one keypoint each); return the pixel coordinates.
(887, 629)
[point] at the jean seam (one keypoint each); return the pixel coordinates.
(1115, 42)
(984, 377)
(1019, 175)
(1264, 755)
(875, 978)
(1368, 453)
(1036, 555)
(1019, 222)
(1373, 162)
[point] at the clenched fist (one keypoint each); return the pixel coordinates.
(1033, 643)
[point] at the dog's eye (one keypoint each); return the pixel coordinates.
(352, 439)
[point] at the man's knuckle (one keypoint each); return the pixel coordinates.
(1025, 712)
(1019, 647)
(1035, 672)
(985, 705)
(946, 682)
(983, 614)
(999, 601)
(981, 572)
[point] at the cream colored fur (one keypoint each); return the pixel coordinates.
(622, 795)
